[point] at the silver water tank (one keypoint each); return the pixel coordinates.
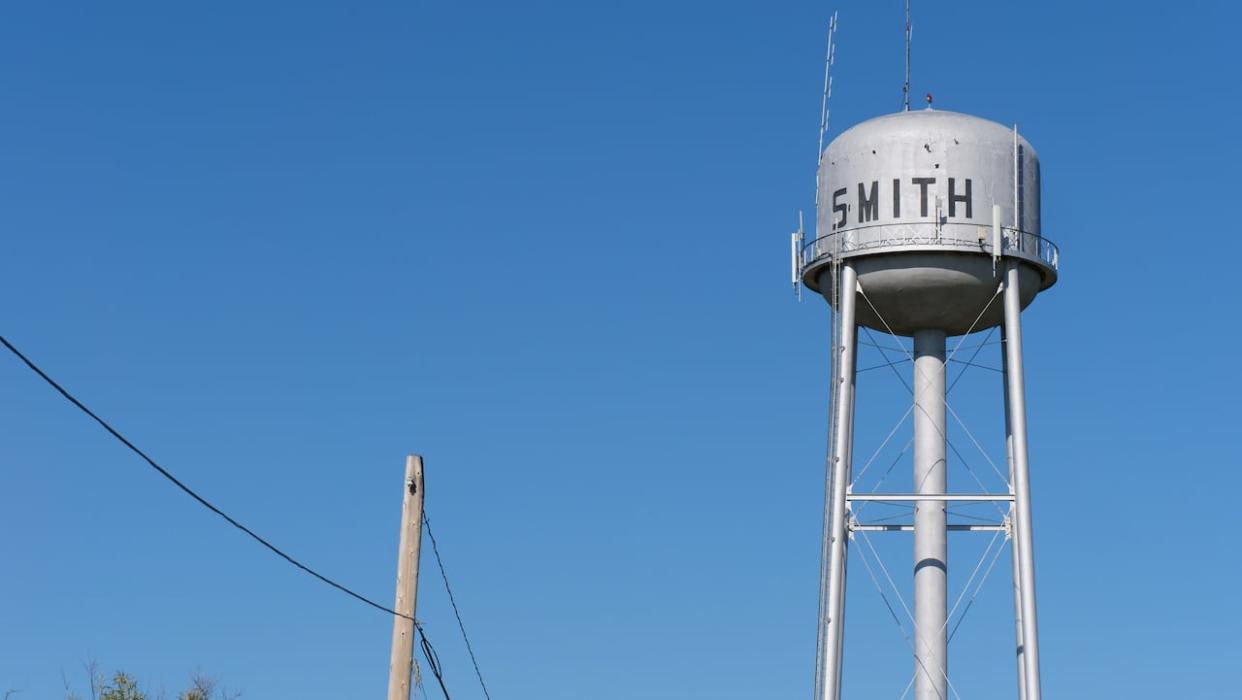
(909, 199)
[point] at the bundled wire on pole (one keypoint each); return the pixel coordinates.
(433, 659)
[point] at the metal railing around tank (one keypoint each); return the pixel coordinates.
(977, 238)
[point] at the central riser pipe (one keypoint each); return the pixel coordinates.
(930, 531)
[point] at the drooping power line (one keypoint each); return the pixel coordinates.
(189, 491)
(429, 652)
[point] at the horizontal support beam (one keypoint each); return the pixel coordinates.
(956, 497)
(903, 527)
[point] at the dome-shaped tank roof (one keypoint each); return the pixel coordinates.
(901, 126)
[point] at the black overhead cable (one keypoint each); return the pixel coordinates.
(453, 601)
(204, 502)
(433, 660)
(428, 651)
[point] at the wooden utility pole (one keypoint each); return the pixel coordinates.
(403, 630)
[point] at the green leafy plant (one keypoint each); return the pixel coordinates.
(123, 686)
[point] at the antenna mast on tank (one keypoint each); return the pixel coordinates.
(823, 107)
(799, 236)
(905, 90)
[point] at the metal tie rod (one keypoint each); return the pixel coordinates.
(952, 527)
(956, 497)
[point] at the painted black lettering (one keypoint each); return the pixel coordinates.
(923, 182)
(839, 207)
(954, 198)
(868, 206)
(896, 198)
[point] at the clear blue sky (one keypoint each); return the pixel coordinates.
(545, 244)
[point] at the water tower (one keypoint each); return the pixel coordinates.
(927, 227)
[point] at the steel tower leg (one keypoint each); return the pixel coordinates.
(1017, 574)
(930, 533)
(840, 467)
(1024, 547)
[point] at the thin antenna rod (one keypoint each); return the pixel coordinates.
(829, 59)
(906, 90)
